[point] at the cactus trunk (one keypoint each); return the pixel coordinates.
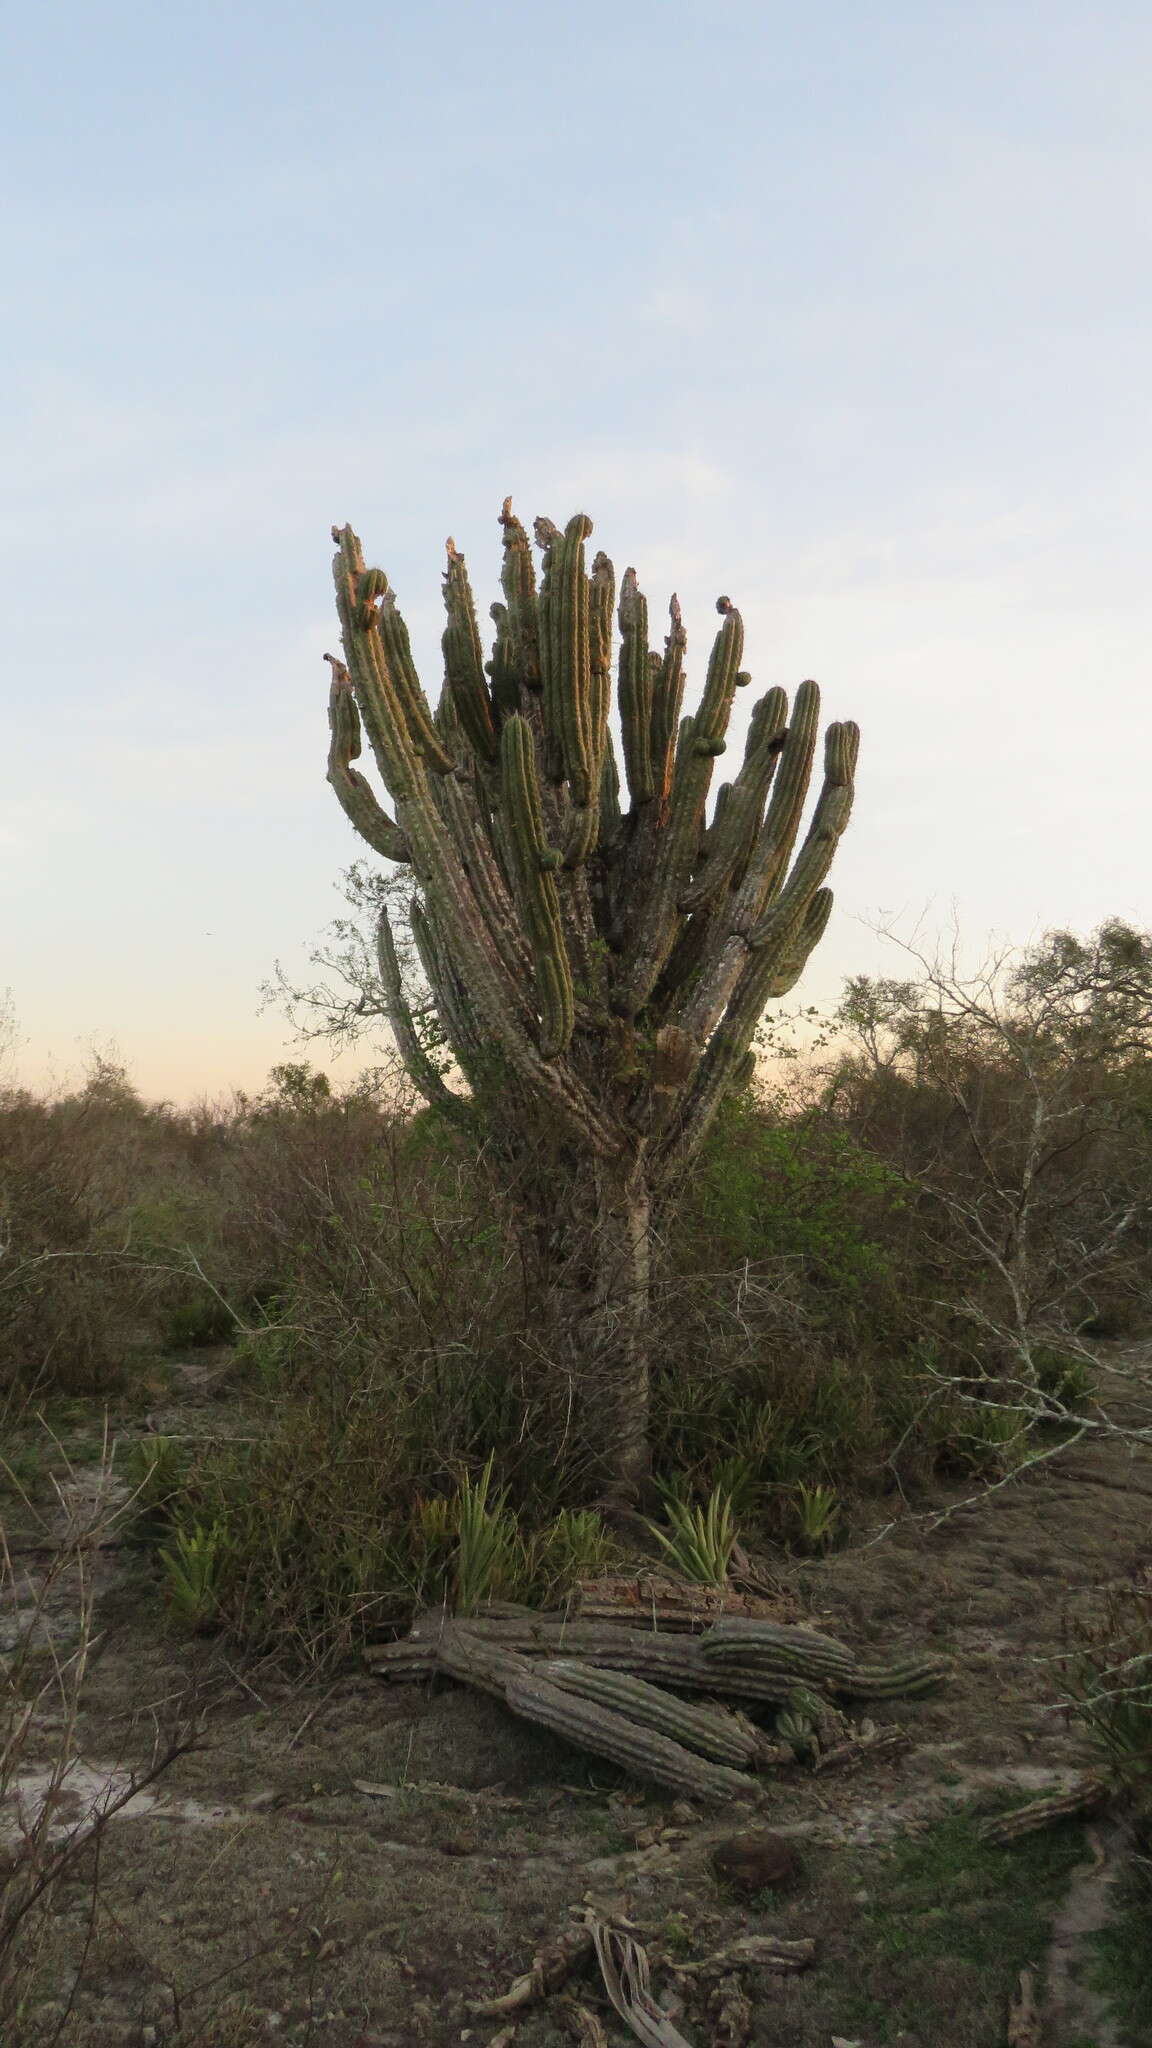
(621, 1326)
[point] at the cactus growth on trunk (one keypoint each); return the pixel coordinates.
(599, 959)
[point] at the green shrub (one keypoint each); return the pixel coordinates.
(1067, 1375)
(1108, 1685)
(201, 1320)
(193, 1569)
(800, 1189)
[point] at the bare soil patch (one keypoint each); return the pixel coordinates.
(258, 1894)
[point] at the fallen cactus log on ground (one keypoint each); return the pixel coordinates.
(616, 1692)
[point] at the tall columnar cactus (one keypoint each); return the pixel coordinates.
(599, 959)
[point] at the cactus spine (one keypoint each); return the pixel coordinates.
(598, 955)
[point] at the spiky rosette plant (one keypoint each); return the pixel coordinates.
(599, 957)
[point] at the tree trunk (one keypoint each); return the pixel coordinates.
(619, 1327)
(585, 1227)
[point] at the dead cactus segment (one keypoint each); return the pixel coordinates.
(714, 1732)
(1085, 1796)
(771, 1645)
(616, 1691)
(624, 1742)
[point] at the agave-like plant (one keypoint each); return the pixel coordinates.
(700, 1540)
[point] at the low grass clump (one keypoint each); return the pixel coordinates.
(1121, 1967)
(941, 1925)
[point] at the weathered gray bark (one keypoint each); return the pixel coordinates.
(621, 1325)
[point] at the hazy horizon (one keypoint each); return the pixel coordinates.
(845, 317)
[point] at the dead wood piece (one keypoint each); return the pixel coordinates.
(430, 1788)
(861, 1748)
(403, 1660)
(636, 1749)
(1085, 1796)
(1024, 2019)
(729, 2011)
(551, 1967)
(586, 2030)
(754, 1952)
(624, 1968)
(655, 1600)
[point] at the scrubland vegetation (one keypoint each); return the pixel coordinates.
(909, 1261)
(884, 1266)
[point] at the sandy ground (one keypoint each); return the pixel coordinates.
(255, 1893)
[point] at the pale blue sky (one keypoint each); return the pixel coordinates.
(842, 311)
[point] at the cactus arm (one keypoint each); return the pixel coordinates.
(715, 1732)
(549, 539)
(377, 698)
(771, 970)
(487, 875)
(536, 890)
(724, 676)
(379, 656)
(398, 653)
(518, 580)
(456, 1013)
(353, 791)
(701, 741)
(611, 816)
(773, 849)
(492, 988)
(729, 939)
(422, 1069)
(775, 951)
(833, 810)
(736, 823)
(503, 667)
(655, 929)
(401, 751)
(571, 638)
(464, 661)
(601, 595)
(634, 690)
(667, 697)
(581, 834)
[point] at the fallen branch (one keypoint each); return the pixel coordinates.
(1024, 2014)
(551, 1968)
(655, 1601)
(1081, 1798)
(753, 1952)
